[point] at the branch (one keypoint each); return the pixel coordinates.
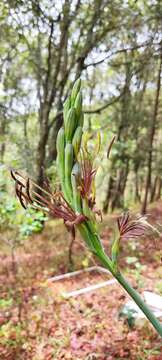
(64, 28)
(49, 59)
(115, 53)
(103, 107)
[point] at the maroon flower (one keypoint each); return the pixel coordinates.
(130, 227)
(53, 203)
(87, 176)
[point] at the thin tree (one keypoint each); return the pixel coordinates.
(151, 138)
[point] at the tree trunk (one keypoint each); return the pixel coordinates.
(2, 151)
(108, 195)
(41, 149)
(151, 140)
(137, 192)
(118, 199)
(153, 190)
(115, 186)
(52, 143)
(159, 186)
(2, 135)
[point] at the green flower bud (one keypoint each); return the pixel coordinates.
(68, 168)
(76, 170)
(81, 120)
(75, 90)
(77, 138)
(70, 124)
(66, 107)
(60, 145)
(75, 175)
(78, 104)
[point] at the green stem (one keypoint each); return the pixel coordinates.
(107, 262)
(132, 292)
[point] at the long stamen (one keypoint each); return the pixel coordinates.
(28, 189)
(36, 195)
(15, 172)
(65, 204)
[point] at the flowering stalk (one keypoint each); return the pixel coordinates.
(75, 204)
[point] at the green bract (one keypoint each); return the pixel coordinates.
(75, 91)
(68, 168)
(77, 138)
(70, 124)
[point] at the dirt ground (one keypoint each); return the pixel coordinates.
(38, 323)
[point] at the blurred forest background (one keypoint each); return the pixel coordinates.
(116, 49)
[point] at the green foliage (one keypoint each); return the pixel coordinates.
(8, 204)
(7, 213)
(33, 222)
(14, 219)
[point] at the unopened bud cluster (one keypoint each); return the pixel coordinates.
(68, 146)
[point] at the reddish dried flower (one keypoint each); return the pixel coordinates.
(131, 227)
(55, 204)
(87, 176)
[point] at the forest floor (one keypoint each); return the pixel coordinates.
(38, 323)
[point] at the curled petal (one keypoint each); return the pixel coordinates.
(21, 195)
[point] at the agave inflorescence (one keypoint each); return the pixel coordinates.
(75, 203)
